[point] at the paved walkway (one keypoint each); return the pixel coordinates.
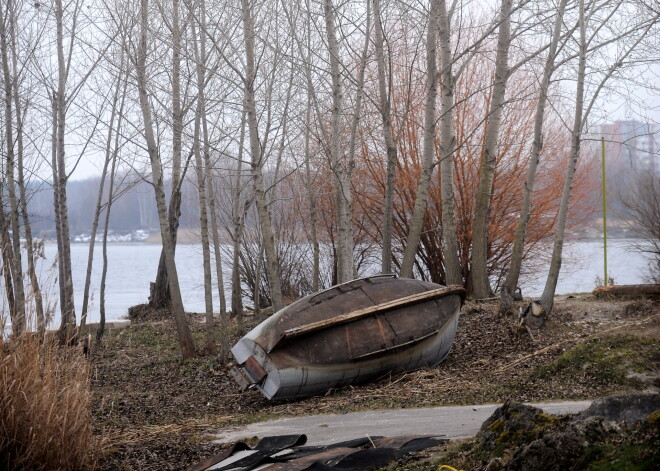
(450, 422)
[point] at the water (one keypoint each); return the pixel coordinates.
(582, 262)
(132, 267)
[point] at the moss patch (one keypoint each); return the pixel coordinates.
(605, 361)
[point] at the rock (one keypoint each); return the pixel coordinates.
(512, 425)
(518, 437)
(625, 408)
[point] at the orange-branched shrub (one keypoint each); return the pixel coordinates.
(472, 97)
(45, 418)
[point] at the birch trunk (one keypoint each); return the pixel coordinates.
(390, 145)
(421, 196)
(183, 331)
(479, 260)
(341, 171)
(513, 275)
(548, 296)
(272, 263)
(453, 275)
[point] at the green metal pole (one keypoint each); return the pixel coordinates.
(604, 184)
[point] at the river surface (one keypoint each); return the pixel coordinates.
(132, 267)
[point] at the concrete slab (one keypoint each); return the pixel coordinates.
(449, 422)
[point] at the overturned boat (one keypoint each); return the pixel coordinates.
(350, 333)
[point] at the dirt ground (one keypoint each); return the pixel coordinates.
(153, 411)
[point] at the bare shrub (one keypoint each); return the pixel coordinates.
(45, 419)
(642, 211)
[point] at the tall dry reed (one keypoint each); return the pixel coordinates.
(45, 418)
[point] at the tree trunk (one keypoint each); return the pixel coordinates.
(453, 275)
(202, 178)
(272, 263)
(390, 145)
(99, 201)
(183, 331)
(513, 275)
(18, 320)
(58, 223)
(67, 331)
(548, 296)
(210, 190)
(106, 224)
(341, 171)
(34, 282)
(417, 222)
(7, 254)
(238, 218)
(311, 196)
(479, 261)
(160, 295)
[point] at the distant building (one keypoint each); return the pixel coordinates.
(631, 147)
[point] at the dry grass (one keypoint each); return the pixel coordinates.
(45, 419)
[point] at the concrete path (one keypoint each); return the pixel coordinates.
(450, 422)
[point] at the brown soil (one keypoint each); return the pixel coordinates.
(152, 411)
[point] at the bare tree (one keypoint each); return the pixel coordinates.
(67, 329)
(390, 145)
(160, 295)
(257, 159)
(511, 282)
(185, 338)
(18, 312)
(479, 269)
(201, 171)
(642, 208)
(341, 168)
(628, 39)
(447, 142)
(99, 199)
(428, 152)
(20, 112)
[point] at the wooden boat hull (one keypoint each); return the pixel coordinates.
(348, 334)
